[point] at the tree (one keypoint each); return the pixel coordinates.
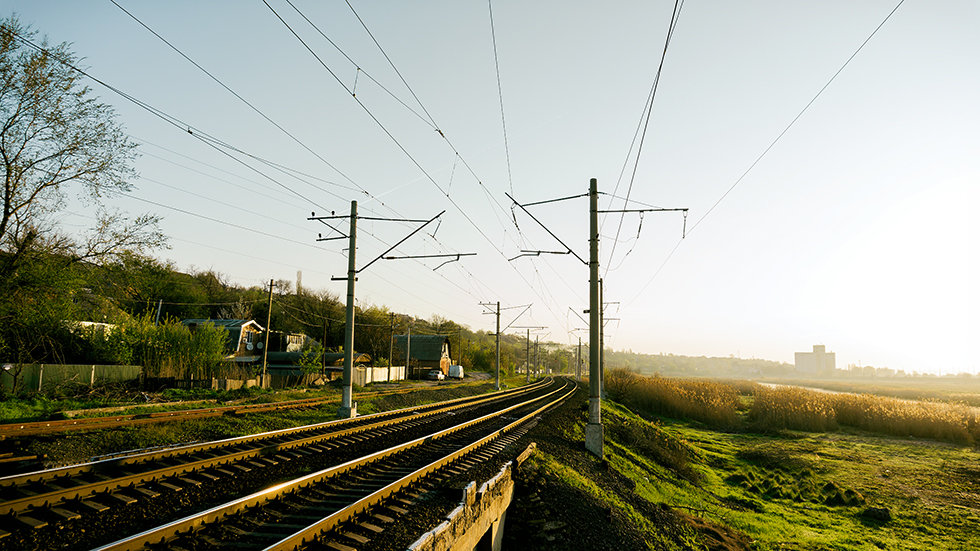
(57, 143)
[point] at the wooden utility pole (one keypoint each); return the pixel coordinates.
(265, 347)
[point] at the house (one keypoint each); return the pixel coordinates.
(285, 369)
(426, 352)
(244, 342)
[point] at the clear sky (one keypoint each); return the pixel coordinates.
(857, 230)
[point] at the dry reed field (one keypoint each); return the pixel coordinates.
(718, 404)
(710, 402)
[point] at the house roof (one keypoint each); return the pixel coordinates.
(229, 324)
(424, 347)
(332, 358)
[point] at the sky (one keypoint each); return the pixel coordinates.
(855, 229)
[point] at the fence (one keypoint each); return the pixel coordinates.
(364, 375)
(48, 377)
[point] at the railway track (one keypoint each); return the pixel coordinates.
(349, 504)
(33, 504)
(37, 428)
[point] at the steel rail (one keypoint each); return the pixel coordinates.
(34, 428)
(301, 537)
(191, 523)
(23, 504)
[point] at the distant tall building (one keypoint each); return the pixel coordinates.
(818, 362)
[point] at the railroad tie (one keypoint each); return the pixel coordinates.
(383, 518)
(337, 546)
(371, 527)
(171, 487)
(65, 513)
(31, 522)
(93, 506)
(144, 491)
(354, 536)
(124, 499)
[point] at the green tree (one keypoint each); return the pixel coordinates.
(58, 143)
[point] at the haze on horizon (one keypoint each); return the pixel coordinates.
(856, 230)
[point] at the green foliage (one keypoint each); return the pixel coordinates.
(166, 350)
(311, 360)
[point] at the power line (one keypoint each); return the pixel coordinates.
(769, 147)
(397, 143)
(500, 94)
(240, 98)
(798, 116)
(383, 52)
(678, 5)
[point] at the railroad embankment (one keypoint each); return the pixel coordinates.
(679, 483)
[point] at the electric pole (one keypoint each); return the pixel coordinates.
(265, 347)
(348, 408)
(535, 356)
(593, 430)
(578, 361)
(498, 345)
(391, 344)
(527, 359)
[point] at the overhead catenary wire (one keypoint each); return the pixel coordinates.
(500, 94)
(428, 176)
(796, 118)
(493, 201)
(678, 5)
(768, 148)
(215, 143)
(239, 96)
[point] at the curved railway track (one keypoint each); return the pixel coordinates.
(34, 504)
(348, 504)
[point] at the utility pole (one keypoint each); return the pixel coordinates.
(495, 311)
(535, 356)
(391, 344)
(593, 430)
(348, 408)
(498, 345)
(159, 307)
(408, 350)
(602, 343)
(265, 347)
(527, 359)
(323, 345)
(578, 361)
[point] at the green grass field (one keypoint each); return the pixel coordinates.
(789, 489)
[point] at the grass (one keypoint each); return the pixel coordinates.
(808, 490)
